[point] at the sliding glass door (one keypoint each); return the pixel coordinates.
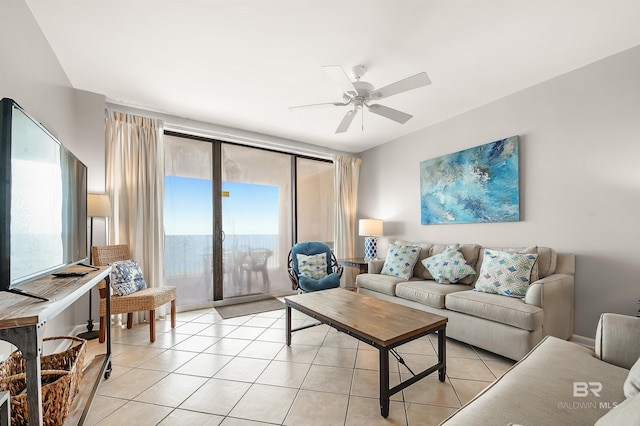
(256, 220)
(188, 219)
(230, 217)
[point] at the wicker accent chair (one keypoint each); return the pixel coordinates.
(148, 299)
(312, 248)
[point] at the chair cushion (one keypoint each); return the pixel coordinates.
(309, 284)
(400, 261)
(313, 266)
(126, 277)
(380, 283)
(428, 292)
(449, 266)
(144, 300)
(505, 310)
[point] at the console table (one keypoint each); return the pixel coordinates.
(22, 321)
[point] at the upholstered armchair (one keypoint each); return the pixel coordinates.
(312, 266)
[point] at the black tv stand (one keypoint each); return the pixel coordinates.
(24, 293)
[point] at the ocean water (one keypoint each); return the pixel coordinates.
(191, 254)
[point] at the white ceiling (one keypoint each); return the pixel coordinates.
(242, 63)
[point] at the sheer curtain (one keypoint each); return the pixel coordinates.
(347, 172)
(135, 184)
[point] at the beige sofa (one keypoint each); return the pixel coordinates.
(503, 325)
(562, 383)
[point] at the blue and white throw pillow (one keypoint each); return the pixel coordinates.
(400, 261)
(126, 277)
(505, 273)
(313, 266)
(449, 266)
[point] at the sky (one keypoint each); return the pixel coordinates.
(250, 209)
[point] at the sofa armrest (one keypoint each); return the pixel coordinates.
(375, 266)
(554, 294)
(618, 339)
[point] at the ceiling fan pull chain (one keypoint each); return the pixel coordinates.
(362, 119)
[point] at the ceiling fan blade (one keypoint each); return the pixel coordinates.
(312, 106)
(346, 121)
(409, 83)
(390, 113)
(337, 74)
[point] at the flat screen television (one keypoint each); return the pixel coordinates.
(43, 201)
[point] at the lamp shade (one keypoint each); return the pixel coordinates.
(98, 205)
(368, 227)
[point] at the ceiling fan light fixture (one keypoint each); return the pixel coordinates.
(358, 93)
(358, 71)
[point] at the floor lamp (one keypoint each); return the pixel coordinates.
(98, 205)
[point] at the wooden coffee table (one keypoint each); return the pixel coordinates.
(381, 324)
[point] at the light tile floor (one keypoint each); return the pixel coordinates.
(239, 372)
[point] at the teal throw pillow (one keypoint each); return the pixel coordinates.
(449, 266)
(313, 266)
(400, 261)
(505, 273)
(309, 284)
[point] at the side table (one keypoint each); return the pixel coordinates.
(357, 262)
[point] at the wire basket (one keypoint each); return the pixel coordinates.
(58, 400)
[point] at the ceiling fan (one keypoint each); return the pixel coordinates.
(357, 94)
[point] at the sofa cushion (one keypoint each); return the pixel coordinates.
(538, 390)
(471, 253)
(505, 273)
(632, 384)
(378, 282)
(419, 271)
(505, 310)
(547, 259)
(449, 266)
(627, 413)
(428, 293)
(400, 261)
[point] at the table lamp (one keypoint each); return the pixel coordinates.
(371, 229)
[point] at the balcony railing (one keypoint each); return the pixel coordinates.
(189, 255)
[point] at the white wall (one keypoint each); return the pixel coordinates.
(579, 179)
(31, 75)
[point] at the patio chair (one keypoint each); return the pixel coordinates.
(256, 262)
(148, 299)
(327, 279)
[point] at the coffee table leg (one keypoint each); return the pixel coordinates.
(288, 330)
(442, 354)
(384, 382)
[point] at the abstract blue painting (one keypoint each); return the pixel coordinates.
(475, 185)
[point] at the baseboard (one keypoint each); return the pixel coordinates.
(584, 341)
